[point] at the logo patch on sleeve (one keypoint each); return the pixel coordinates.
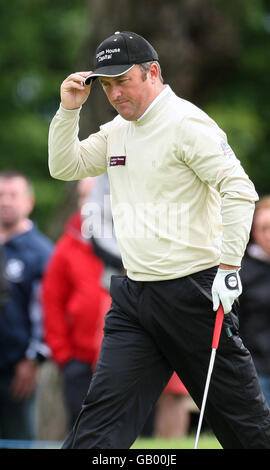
(117, 160)
(226, 149)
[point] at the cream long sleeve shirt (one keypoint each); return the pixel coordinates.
(181, 201)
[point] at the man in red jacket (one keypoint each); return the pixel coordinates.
(74, 306)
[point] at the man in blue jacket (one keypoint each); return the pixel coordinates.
(3, 282)
(26, 252)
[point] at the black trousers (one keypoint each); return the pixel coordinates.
(152, 329)
(76, 377)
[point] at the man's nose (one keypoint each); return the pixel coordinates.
(115, 93)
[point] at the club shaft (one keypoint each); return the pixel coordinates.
(209, 373)
(215, 343)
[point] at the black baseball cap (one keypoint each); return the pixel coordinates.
(119, 53)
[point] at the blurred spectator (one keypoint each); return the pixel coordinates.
(74, 306)
(98, 226)
(4, 290)
(255, 299)
(26, 252)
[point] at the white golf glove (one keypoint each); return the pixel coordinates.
(226, 288)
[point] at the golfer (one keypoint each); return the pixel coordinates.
(182, 207)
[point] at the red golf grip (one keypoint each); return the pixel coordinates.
(218, 326)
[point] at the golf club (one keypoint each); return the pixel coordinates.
(215, 342)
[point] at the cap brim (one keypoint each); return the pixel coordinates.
(109, 71)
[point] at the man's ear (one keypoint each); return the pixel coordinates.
(153, 72)
(31, 205)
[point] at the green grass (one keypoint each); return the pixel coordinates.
(206, 441)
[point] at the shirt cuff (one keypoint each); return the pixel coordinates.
(68, 113)
(231, 260)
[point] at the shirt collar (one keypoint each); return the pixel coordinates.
(155, 101)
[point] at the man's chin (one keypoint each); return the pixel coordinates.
(125, 112)
(127, 116)
(7, 223)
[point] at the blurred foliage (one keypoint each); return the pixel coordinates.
(40, 42)
(240, 104)
(224, 65)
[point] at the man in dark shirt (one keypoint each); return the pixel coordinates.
(26, 251)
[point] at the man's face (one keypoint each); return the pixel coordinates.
(261, 229)
(128, 93)
(16, 202)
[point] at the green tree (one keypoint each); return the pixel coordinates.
(40, 43)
